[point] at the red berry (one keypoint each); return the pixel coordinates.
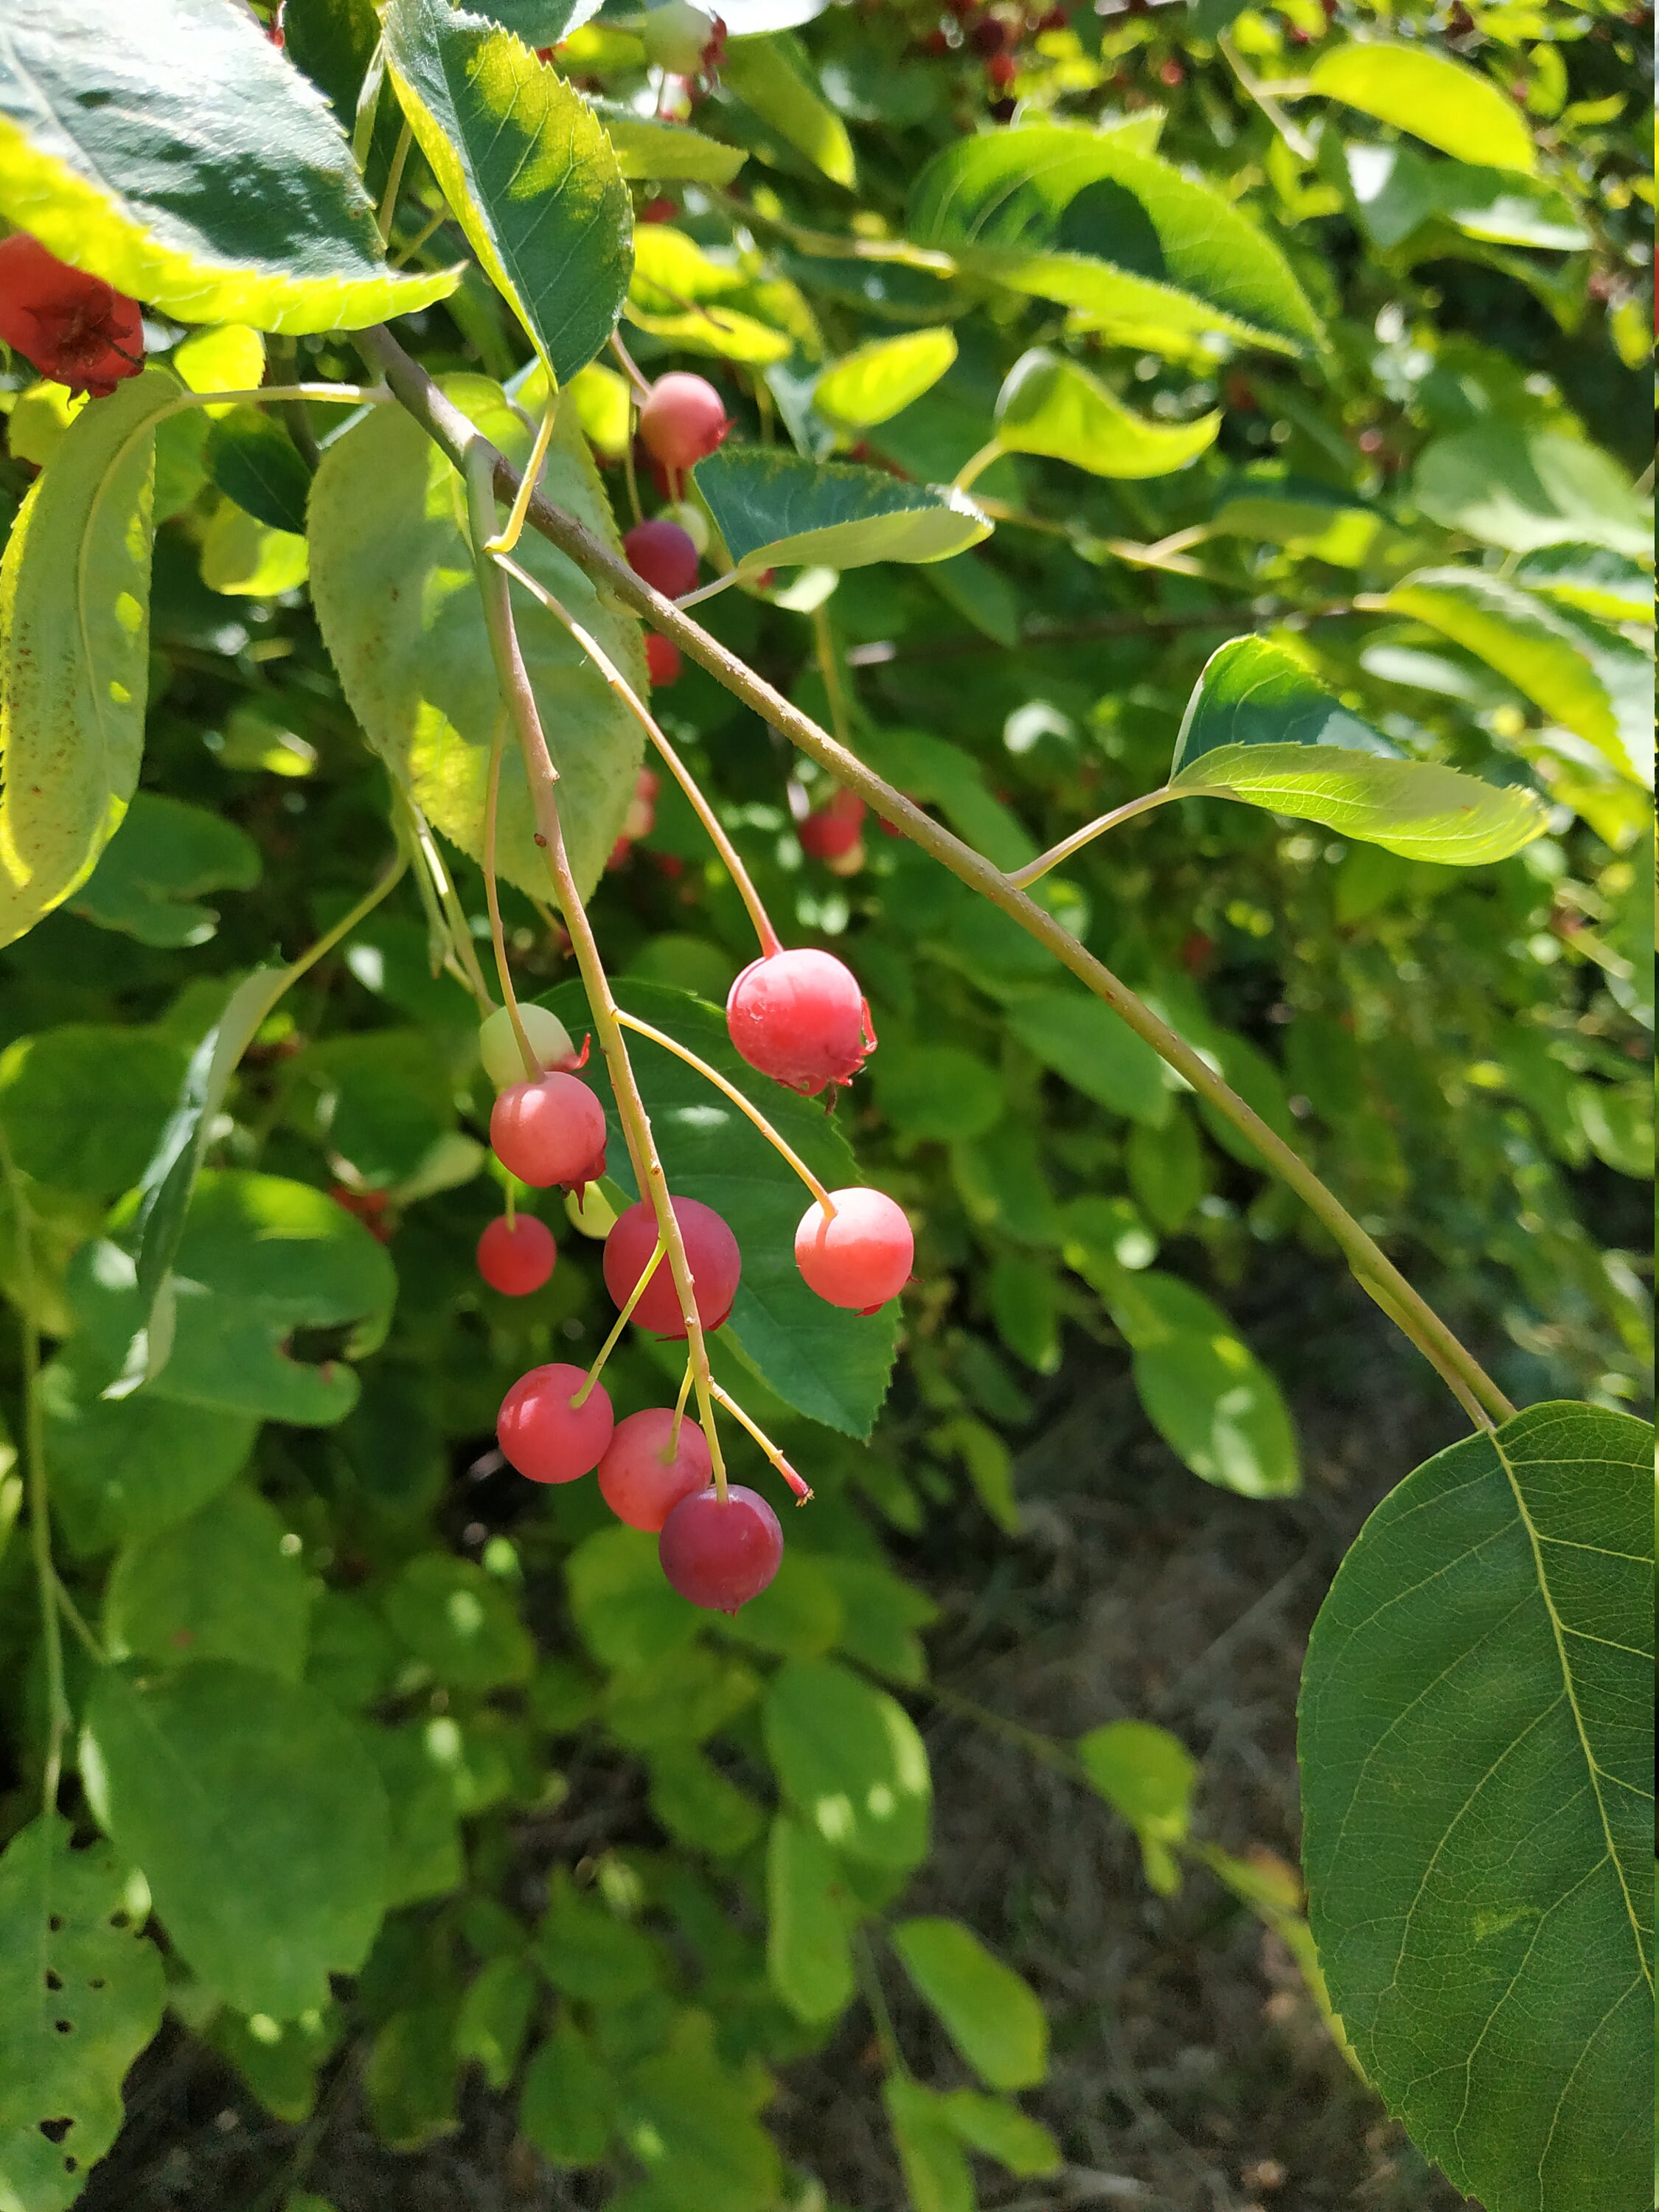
(988, 36)
(72, 327)
(833, 830)
(1171, 73)
(546, 1436)
(721, 1553)
(548, 1132)
(860, 1257)
(1002, 69)
(516, 1257)
(800, 1018)
(640, 1481)
(660, 209)
(683, 420)
(662, 660)
(711, 1252)
(663, 554)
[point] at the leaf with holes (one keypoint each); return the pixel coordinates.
(777, 509)
(526, 166)
(1477, 1763)
(236, 197)
(81, 1995)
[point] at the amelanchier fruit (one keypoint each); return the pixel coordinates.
(711, 1252)
(663, 555)
(645, 1472)
(860, 1255)
(551, 1131)
(801, 1019)
(721, 1553)
(517, 1256)
(682, 420)
(74, 328)
(545, 1434)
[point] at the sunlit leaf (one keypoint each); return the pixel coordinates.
(1050, 406)
(777, 509)
(850, 1761)
(1514, 484)
(773, 77)
(988, 2010)
(1439, 99)
(649, 150)
(881, 379)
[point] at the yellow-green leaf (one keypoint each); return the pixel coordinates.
(1050, 406)
(771, 76)
(878, 380)
(1443, 102)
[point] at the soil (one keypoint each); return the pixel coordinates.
(1191, 2071)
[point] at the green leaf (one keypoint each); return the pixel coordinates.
(936, 1090)
(74, 648)
(1610, 586)
(1260, 729)
(82, 1105)
(259, 1258)
(495, 2018)
(165, 854)
(1084, 1043)
(1526, 640)
(424, 1856)
(258, 1818)
(588, 1953)
(1401, 201)
(394, 587)
(525, 164)
(382, 1099)
(880, 379)
(1048, 405)
(252, 460)
(777, 509)
(568, 2104)
(412, 2078)
(1442, 101)
(937, 2175)
(1477, 1770)
(1167, 1173)
(626, 1613)
(224, 1584)
(1205, 1391)
(773, 77)
(692, 302)
(247, 559)
(1024, 1297)
(880, 1614)
(1087, 219)
(459, 1621)
(1000, 2130)
(238, 200)
(850, 1762)
(649, 150)
(81, 1995)
(699, 1805)
(123, 1469)
(1517, 485)
(988, 2010)
(1147, 1774)
(689, 2120)
(808, 1957)
(829, 1364)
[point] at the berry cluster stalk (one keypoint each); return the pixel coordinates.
(1458, 1368)
(479, 459)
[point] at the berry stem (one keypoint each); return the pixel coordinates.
(730, 1091)
(532, 1066)
(1035, 870)
(977, 464)
(802, 1488)
(638, 381)
(394, 179)
(688, 783)
(460, 958)
(620, 1324)
(510, 536)
(829, 668)
(479, 460)
(679, 1411)
(1452, 1359)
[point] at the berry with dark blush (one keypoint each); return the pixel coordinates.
(517, 1256)
(663, 556)
(800, 1018)
(683, 420)
(711, 1252)
(719, 1552)
(551, 1131)
(641, 1478)
(861, 1255)
(985, 35)
(73, 327)
(544, 1433)
(662, 660)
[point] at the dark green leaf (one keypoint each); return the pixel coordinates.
(165, 854)
(495, 2018)
(567, 2106)
(82, 1105)
(125, 1468)
(225, 1584)
(459, 1621)
(776, 509)
(252, 460)
(588, 1953)
(1477, 1780)
(936, 1090)
(1084, 1041)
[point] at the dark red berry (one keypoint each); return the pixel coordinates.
(641, 1482)
(1002, 69)
(662, 660)
(861, 1255)
(800, 1018)
(663, 554)
(834, 829)
(550, 1132)
(711, 1252)
(72, 327)
(660, 209)
(988, 36)
(546, 1435)
(516, 1257)
(719, 1552)
(683, 420)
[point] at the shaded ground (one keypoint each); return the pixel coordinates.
(1191, 2072)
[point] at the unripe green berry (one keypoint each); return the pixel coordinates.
(498, 1046)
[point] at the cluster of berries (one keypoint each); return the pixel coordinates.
(681, 421)
(72, 327)
(800, 1017)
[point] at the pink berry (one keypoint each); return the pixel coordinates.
(662, 660)
(663, 555)
(516, 1257)
(711, 1250)
(860, 1257)
(721, 1553)
(641, 1481)
(800, 1018)
(683, 420)
(547, 1436)
(832, 830)
(551, 1131)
